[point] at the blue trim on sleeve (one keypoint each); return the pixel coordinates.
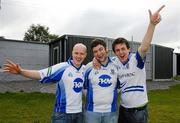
(140, 61)
(133, 88)
(55, 76)
(141, 90)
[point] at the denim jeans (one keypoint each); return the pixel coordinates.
(58, 117)
(95, 117)
(133, 116)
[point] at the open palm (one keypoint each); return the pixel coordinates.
(11, 67)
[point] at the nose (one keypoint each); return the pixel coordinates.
(98, 53)
(79, 55)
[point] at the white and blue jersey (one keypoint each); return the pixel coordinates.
(101, 88)
(132, 77)
(70, 82)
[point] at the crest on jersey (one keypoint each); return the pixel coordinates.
(78, 84)
(104, 81)
(127, 66)
(112, 71)
(96, 72)
(70, 74)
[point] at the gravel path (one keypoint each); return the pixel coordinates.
(27, 86)
(158, 85)
(35, 86)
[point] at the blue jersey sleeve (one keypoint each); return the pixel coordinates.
(140, 61)
(53, 73)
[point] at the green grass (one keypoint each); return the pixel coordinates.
(26, 107)
(177, 78)
(164, 107)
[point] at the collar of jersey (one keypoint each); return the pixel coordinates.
(109, 61)
(71, 63)
(129, 56)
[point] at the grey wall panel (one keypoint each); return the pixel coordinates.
(174, 64)
(28, 55)
(72, 39)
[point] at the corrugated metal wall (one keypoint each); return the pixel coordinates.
(70, 40)
(163, 62)
(178, 64)
(159, 60)
(28, 55)
(66, 42)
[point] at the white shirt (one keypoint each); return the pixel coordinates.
(69, 87)
(132, 77)
(101, 88)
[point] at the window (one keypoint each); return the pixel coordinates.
(56, 55)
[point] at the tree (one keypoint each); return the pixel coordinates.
(39, 33)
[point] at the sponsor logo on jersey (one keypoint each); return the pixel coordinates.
(78, 84)
(127, 75)
(104, 81)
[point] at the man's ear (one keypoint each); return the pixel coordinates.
(129, 49)
(85, 54)
(106, 50)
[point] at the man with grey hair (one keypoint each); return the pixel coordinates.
(70, 79)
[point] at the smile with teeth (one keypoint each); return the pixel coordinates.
(78, 59)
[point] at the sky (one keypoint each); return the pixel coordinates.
(102, 18)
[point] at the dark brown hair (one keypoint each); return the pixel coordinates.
(120, 41)
(98, 41)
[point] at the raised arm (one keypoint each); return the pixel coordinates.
(14, 68)
(146, 42)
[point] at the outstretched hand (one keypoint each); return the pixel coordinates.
(155, 18)
(11, 67)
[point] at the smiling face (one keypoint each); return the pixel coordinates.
(100, 53)
(79, 54)
(122, 52)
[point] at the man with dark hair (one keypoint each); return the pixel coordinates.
(132, 75)
(101, 85)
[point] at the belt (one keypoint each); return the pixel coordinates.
(133, 109)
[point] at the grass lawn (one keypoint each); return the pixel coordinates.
(26, 107)
(177, 77)
(164, 107)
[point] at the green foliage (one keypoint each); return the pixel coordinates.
(39, 33)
